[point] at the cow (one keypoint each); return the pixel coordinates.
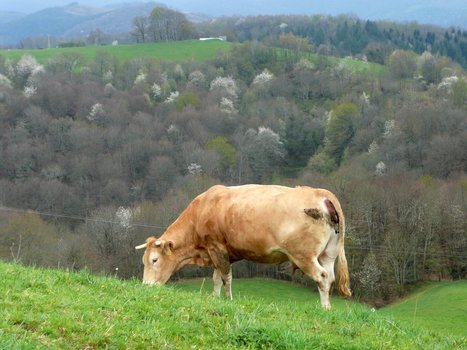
(259, 223)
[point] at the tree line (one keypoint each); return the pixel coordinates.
(95, 160)
(340, 36)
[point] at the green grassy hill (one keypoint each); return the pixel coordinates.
(52, 309)
(180, 51)
(438, 306)
(172, 51)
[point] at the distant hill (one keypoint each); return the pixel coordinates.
(442, 13)
(8, 16)
(77, 20)
(73, 20)
(51, 21)
(114, 21)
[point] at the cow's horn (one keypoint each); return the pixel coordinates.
(141, 246)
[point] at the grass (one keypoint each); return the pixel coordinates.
(53, 309)
(441, 306)
(195, 50)
(179, 51)
(267, 290)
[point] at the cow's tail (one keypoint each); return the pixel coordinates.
(343, 283)
(337, 219)
(343, 279)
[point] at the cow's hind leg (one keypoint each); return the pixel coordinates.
(320, 275)
(325, 287)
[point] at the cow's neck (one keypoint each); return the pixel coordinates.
(181, 232)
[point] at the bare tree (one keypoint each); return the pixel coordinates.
(140, 28)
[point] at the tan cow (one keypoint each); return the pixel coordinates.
(260, 223)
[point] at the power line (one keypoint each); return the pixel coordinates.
(79, 218)
(378, 248)
(383, 249)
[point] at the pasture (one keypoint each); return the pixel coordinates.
(55, 309)
(178, 51)
(438, 306)
(188, 50)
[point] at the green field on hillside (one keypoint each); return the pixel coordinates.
(436, 306)
(439, 306)
(268, 290)
(195, 50)
(179, 51)
(53, 309)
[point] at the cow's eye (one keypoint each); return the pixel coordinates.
(154, 260)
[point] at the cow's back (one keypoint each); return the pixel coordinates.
(258, 222)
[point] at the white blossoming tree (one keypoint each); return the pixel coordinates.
(27, 71)
(196, 79)
(225, 86)
(97, 111)
(227, 106)
(226, 91)
(264, 150)
(172, 97)
(140, 78)
(263, 78)
(304, 65)
(5, 82)
(29, 91)
(194, 169)
(156, 91)
(380, 169)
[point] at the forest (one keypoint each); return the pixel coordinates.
(344, 35)
(93, 160)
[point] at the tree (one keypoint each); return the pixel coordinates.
(227, 153)
(430, 68)
(162, 173)
(340, 129)
(459, 93)
(68, 62)
(265, 151)
(140, 28)
(29, 239)
(402, 64)
(168, 25)
(369, 277)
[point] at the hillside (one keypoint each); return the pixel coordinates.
(190, 50)
(56, 309)
(72, 20)
(441, 306)
(445, 13)
(52, 21)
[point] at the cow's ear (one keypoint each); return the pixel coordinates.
(168, 247)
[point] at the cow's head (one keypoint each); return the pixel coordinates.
(158, 259)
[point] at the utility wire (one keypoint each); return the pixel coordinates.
(79, 218)
(378, 248)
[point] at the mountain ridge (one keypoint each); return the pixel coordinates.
(78, 19)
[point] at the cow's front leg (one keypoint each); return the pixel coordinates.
(217, 280)
(222, 270)
(227, 279)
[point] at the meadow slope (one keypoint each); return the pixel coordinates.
(188, 50)
(439, 306)
(56, 309)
